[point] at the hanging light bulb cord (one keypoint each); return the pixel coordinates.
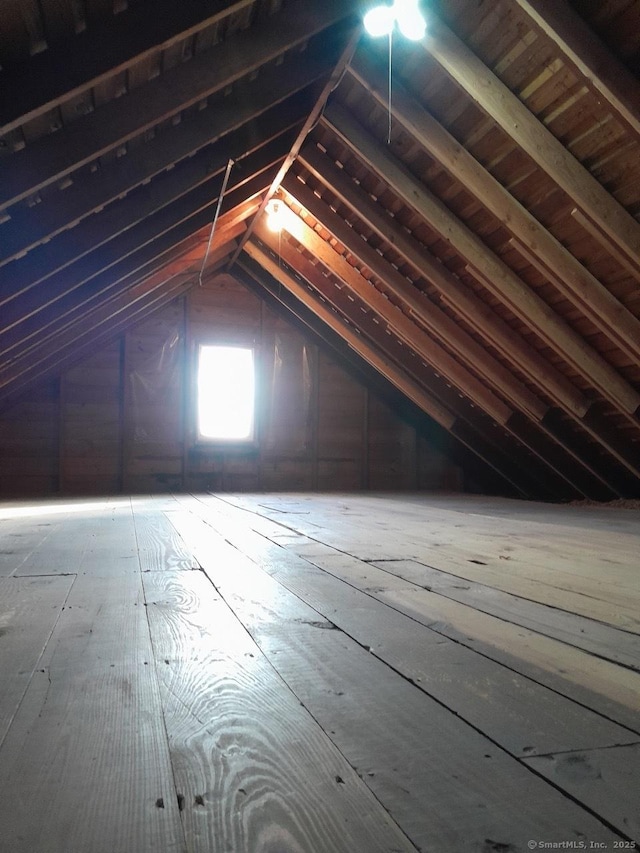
(382, 20)
(215, 218)
(389, 102)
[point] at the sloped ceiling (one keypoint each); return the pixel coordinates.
(474, 236)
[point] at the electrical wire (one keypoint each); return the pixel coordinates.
(215, 218)
(389, 101)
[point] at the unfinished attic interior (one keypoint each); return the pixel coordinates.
(319, 426)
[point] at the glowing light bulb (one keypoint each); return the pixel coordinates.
(411, 23)
(379, 21)
(274, 215)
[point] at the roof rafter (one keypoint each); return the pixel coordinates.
(589, 56)
(264, 275)
(121, 41)
(440, 325)
(503, 282)
(461, 299)
(196, 178)
(383, 364)
(101, 326)
(420, 307)
(256, 105)
(398, 322)
(312, 119)
(487, 434)
(132, 253)
(52, 157)
(469, 72)
(559, 265)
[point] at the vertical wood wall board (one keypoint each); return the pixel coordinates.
(115, 436)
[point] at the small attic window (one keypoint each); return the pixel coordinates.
(226, 393)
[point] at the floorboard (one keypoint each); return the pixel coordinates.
(83, 538)
(593, 636)
(520, 714)
(20, 538)
(29, 610)
(607, 780)
(609, 689)
(253, 769)
(317, 673)
(593, 575)
(159, 546)
(448, 786)
(85, 762)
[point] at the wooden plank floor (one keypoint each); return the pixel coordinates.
(318, 674)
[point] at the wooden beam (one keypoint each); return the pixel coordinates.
(398, 323)
(446, 330)
(395, 319)
(595, 231)
(102, 327)
(66, 70)
(74, 312)
(355, 341)
(195, 181)
(311, 121)
(485, 89)
(52, 157)
(267, 286)
(628, 458)
(159, 237)
(102, 324)
(102, 251)
(460, 298)
(580, 47)
(502, 281)
(275, 97)
(471, 426)
(422, 309)
(554, 261)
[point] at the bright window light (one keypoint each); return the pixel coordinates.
(226, 393)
